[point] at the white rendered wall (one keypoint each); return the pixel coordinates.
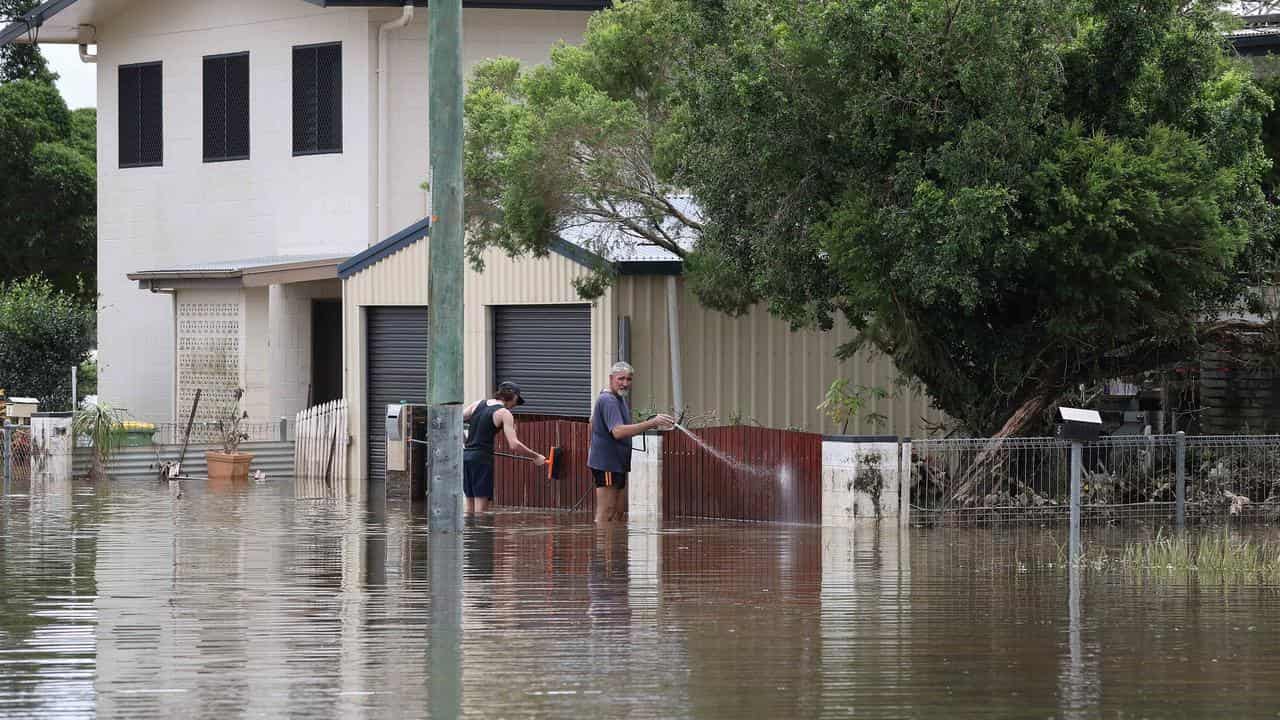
(190, 211)
(527, 35)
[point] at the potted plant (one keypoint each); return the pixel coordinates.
(229, 464)
(102, 424)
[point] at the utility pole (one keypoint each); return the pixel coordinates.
(445, 271)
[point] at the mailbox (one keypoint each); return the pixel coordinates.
(1078, 425)
(396, 426)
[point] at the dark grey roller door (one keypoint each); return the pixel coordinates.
(547, 350)
(396, 356)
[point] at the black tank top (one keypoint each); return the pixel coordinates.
(479, 444)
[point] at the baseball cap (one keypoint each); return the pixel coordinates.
(511, 387)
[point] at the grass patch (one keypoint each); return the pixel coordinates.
(1212, 556)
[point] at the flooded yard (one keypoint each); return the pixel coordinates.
(120, 600)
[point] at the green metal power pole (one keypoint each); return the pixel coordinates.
(445, 272)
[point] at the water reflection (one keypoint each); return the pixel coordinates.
(120, 600)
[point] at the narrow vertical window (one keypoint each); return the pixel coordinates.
(141, 115)
(226, 107)
(317, 99)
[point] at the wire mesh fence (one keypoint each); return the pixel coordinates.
(15, 455)
(982, 481)
(1233, 476)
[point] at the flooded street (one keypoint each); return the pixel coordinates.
(118, 600)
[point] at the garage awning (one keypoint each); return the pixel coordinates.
(252, 272)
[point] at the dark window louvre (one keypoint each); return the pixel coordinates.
(317, 99)
(226, 107)
(141, 131)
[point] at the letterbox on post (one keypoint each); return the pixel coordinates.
(1078, 425)
(395, 438)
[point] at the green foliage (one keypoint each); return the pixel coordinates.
(580, 145)
(43, 333)
(21, 61)
(1009, 198)
(104, 426)
(869, 479)
(87, 378)
(48, 188)
(845, 400)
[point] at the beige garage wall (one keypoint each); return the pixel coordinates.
(754, 367)
(401, 279)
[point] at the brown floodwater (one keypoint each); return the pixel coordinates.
(120, 600)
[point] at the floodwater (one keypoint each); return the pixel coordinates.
(119, 600)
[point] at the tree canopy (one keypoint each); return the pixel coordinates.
(1009, 198)
(21, 61)
(48, 188)
(43, 334)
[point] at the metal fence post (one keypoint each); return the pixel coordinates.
(904, 483)
(284, 428)
(1180, 483)
(1076, 462)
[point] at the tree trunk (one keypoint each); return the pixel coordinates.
(1023, 416)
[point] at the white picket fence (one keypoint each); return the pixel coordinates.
(320, 451)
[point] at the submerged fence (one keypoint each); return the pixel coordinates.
(734, 473)
(518, 482)
(320, 450)
(1160, 478)
(743, 473)
(15, 454)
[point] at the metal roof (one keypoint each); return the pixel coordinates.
(1255, 40)
(640, 260)
(386, 248)
(249, 272)
(620, 245)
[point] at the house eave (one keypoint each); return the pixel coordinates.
(283, 273)
(569, 5)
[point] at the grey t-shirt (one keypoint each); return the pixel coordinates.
(607, 452)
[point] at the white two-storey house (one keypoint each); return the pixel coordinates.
(245, 149)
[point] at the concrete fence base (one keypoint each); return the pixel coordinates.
(644, 484)
(860, 479)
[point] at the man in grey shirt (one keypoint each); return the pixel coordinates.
(611, 431)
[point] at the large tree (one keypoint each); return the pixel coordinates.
(21, 61)
(43, 334)
(48, 188)
(1009, 198)
(581, 146)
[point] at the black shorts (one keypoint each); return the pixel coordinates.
(604, 478)
(477, 479)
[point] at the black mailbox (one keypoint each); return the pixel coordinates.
(1079, 425)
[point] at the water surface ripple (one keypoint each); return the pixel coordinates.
(118, 600)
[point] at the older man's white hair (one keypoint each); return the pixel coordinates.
(620, 368)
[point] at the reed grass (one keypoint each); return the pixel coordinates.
(1209, 555)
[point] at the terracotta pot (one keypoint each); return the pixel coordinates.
(225, 468)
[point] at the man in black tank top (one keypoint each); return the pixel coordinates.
(485, 417)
